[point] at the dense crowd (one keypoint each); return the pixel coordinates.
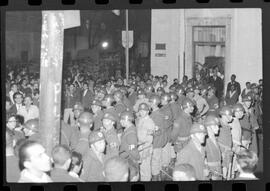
(140, 129)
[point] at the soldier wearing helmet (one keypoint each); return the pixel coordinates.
(112, 140)
(149, 91)
(145, 130)
(190, 93)
(180, 91)
(181, 127)
(129, 141)
(212, 149)
(176, 108)
(119, 106)
(193, 153)
(141, 99)
(96, 108)
(225, 140)
(251, 123)
(160, 138)
(160, 91)
(31, 130)
(95, 158)
(168, 119)
(85, 123)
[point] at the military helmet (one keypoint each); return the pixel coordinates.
(166, 97)
(127, 115)
(173, 96)
(155, 99)
(32, 124)
(143, 106)
(86, 118)
(211, 120)
(187, 103)
(238, 107)
(225, 110)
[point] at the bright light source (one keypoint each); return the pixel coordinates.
(105, 44)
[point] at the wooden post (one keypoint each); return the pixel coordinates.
(51, 77)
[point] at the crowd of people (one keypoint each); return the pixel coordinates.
(140, 129)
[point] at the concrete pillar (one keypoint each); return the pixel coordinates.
(51, 76)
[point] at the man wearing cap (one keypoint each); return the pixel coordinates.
(194, 153)
(95, 158)
(225, 140)
(129, 139)
(145, 130)
(212, 149)
(110, 134)
(85, 123)
(167, 151)
(96, 108)
(160, 137)
(181, 127)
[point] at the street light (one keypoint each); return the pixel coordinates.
(105, 44)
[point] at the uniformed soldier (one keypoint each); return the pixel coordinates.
(181, 128)
(180, 91)
(141, 99)
(194, 153)
(225, 140)
(176, 108)
(96, 108)
(129, 140)
(94, 161)
(85, 123)
(247, 103)
(245, 122)
(149, 91)
(110, 133)
(160, 138)
(119, 106)
(145, 130)
(167, 151)
(213, 153)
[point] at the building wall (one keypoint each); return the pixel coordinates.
(245, 47)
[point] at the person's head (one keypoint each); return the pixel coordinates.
(18, 97)
(85, 86)
(176, 81)
(76, 162)
(154, 101)
(31, 127)
(85, 121)
(238, 110)
(185, 78)
(141, 94)
(190, 93)
(108, 121)
(165, 77)
(36, 86)
(184, 172)
(118, 96)
(97, 141)
(247, 101)
(198, 133)
(198, 76)
(197, 90)
(164, 83)
(108, 100)
(180, 91)
(96, 106)
(233, 77)
(36, 93)
(260, 82)
(165, 99)
(11, 122)
(32, 156)
(14, 87)
(71, 87)
(246, 161)
(248, 85)
(116, 170)
(126, 118)
(226, 114)
(8, 103)
(9, 139)
(77, 109)
(28, 100)
(143, 110)
(61, 157)
(188, 106)
(211, 123)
